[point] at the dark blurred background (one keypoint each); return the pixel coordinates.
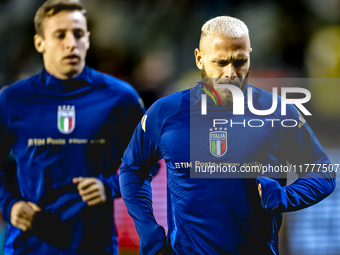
(151, 43)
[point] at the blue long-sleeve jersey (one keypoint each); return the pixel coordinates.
(223, 215)
(58, 130)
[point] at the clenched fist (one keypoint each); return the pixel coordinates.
(91, 190)
(22, 214)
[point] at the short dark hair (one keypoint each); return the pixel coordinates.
(52, 7)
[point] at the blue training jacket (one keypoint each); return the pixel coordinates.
(214, 207)
(58, 130)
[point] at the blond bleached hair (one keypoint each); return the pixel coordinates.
(224, 25)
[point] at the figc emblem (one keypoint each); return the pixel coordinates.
(66, 119)
(218, 143)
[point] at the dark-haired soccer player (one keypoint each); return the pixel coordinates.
(230, 214)
(67, 127)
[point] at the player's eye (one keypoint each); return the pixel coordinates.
(78, 34)
(239, 62)
(60, 35)
(223, 63)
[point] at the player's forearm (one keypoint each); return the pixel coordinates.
(111, 184)
(136, 193)
(304, 192)
(152, 236)
(9, 195)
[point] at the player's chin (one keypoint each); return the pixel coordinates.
(73, 65)
(72, 69)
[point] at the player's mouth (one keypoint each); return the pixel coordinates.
(72, 59)
(236, 82)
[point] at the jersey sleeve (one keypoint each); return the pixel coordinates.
(141, 154)
(132, 110)
(316, 176)
(9, 188)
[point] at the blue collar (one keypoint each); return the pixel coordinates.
(47, 79)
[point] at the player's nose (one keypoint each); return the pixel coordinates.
(229, 71)
(70, 41)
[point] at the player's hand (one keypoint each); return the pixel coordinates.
(22, 214)
(260, 190)
(91, 190)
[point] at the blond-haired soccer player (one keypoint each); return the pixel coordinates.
(233, 213)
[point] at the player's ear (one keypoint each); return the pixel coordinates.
(39, 43)
(199, 58)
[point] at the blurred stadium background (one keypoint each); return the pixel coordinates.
(150, 44)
